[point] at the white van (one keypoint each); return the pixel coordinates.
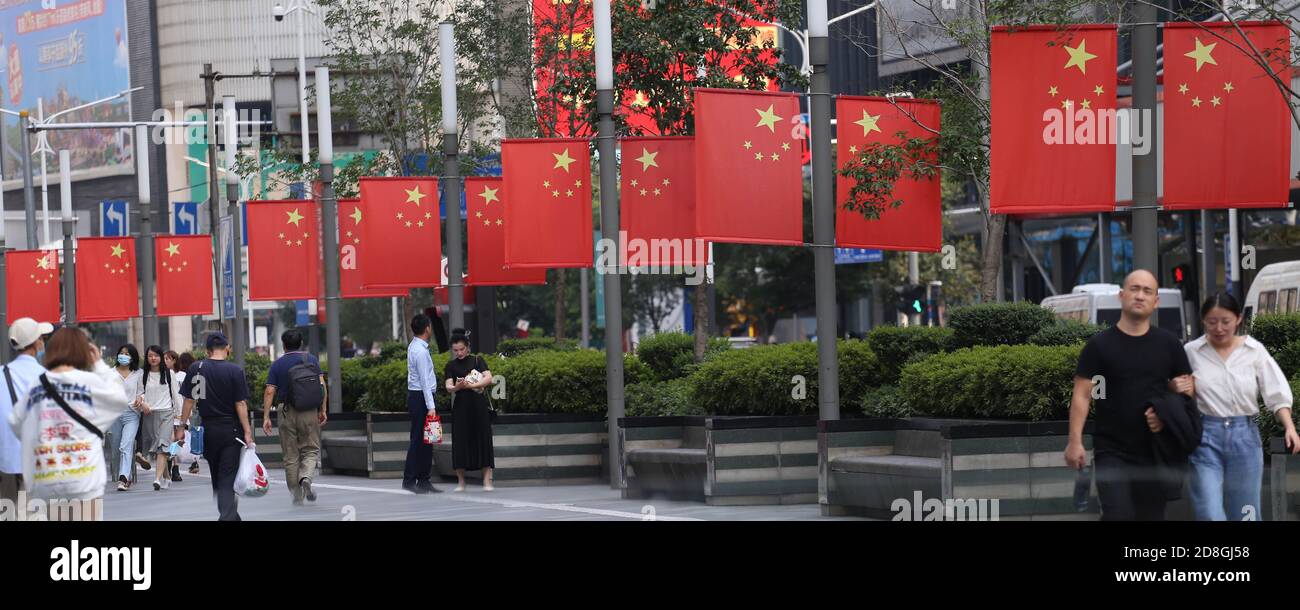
(1099, 304)
(1276, 289)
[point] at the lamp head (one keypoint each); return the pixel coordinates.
(278, 11)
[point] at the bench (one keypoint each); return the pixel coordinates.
(346, 455)
(872, 482)
(676, 469)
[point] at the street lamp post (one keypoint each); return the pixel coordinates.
(69, 224)
(823, 203)
(300, 7)
(451, 175)
(238, 339)
(330, 219)
(146, 235)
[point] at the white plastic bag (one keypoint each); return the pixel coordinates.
(185, 456)
(251, 479)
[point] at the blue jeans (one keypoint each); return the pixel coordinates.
(1227, 470)
(130, 423)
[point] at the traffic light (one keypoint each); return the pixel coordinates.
(1185, 280)
(910, 299)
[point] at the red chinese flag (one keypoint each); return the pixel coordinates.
(401, 233)
(1227, 128)
(283, 250)
(1053, 129)
(107, 285)
(658, 203)
(748, 175)
(548, 185)
(351, 217)
(917, 224)
(32, 282)
(184, 269)
(485, 207)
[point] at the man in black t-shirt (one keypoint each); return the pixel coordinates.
(1123, 368)
(220, 390)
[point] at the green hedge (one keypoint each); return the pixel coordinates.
(672, 355)
(760, 380)
(1288, 358)
(546, 381)
(896, 346)
(998, 323)
(515, 347)
(885, 401)
(355, 376)
(256, 368)
(1028, 382)
(662, 398)
(1269, 427)
(385, 384)
(1066, 332)
(1276, 330)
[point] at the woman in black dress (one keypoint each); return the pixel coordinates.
(471, 424)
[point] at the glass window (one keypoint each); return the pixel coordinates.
(1268, 301)
(1288, 301)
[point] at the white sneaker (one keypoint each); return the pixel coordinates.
(157, 486)
(166, 483)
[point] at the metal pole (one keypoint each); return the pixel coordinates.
(238, 337)
(1103, 247)
(4, 296)
(41, 144)
(586, 308)
(823, 203)
(69, 225)
(451, 175)
(302, 88)
(1233, 246)
(29, 195)
(146, 235)
(913, 279)
(1208, 267)
(330, 217)
(216, 208)
(609, 225)
(1145, 238)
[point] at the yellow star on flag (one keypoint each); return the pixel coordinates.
(43, 262)
(1052, 91)
(1079, 56)
(748, 145)
(118, 250)
(768, 118)
(356, 215)
(1087, 104)
(489, 195)
(1196, 101)
(294, 218)
(868, 123)
(1182, 88)
(1227, 86)
(1099, 90)
(563, 160)
(1215, 100)
(647, 159)
(173, 249)
(1202, 54)
(414, 196)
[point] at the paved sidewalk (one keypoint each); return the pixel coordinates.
(344, 498)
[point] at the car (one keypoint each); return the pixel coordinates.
(1099, 304)
(1276, 289)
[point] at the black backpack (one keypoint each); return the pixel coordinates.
(304, 391)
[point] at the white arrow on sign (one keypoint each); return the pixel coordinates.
(186, 217)
(116, 217)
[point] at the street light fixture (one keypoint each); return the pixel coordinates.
(279, 12)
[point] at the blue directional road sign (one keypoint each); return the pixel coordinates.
(227, 268)
(114, 219)
(850, 256)
(185, 218)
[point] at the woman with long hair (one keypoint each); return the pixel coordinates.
(181, 368)
(162, 397)
(1232, 374)
(471, 416)
(61, 423)
(128, 426)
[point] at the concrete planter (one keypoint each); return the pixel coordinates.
(335, 457)
(720, 460)
(885, 467)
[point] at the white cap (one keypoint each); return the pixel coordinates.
(25, 331)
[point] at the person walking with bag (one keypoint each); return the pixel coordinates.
(1230, 375)
(28, 339)
(471, 416)
(220, 391)
(421, 381)
(127, 428)
(194, 426)
(61, 425)
(296, 379)
(162, 398)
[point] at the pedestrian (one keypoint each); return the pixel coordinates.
(471, 417)
(1125, 367)
(1231, 374)
(183, 364)
(420, 385)
(162, 398)
(171, 361)
(61, 424)
(219, 389)
(28, 339)
(296, 385)
(127, 428)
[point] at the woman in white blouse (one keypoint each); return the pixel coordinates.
(128, 425)
(1232, 373)
(162, 396)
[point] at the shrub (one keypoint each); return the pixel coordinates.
(661, 398)
(1276, 330)
(356, 379)
(1066, 332)
(998, 323)
(256, 367)
(1269, 427)
(761, 380)
(385, 388)
(885, 401)
(1288, 358)
(1029, 382)
(548, 381)
(515, 347)
(389, 351)
(669, 355)
(895, 346)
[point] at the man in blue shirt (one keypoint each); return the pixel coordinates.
(220, 390)
(28, 339)
(300, 417)
(420, 385)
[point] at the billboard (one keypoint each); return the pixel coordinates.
(59, 54)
